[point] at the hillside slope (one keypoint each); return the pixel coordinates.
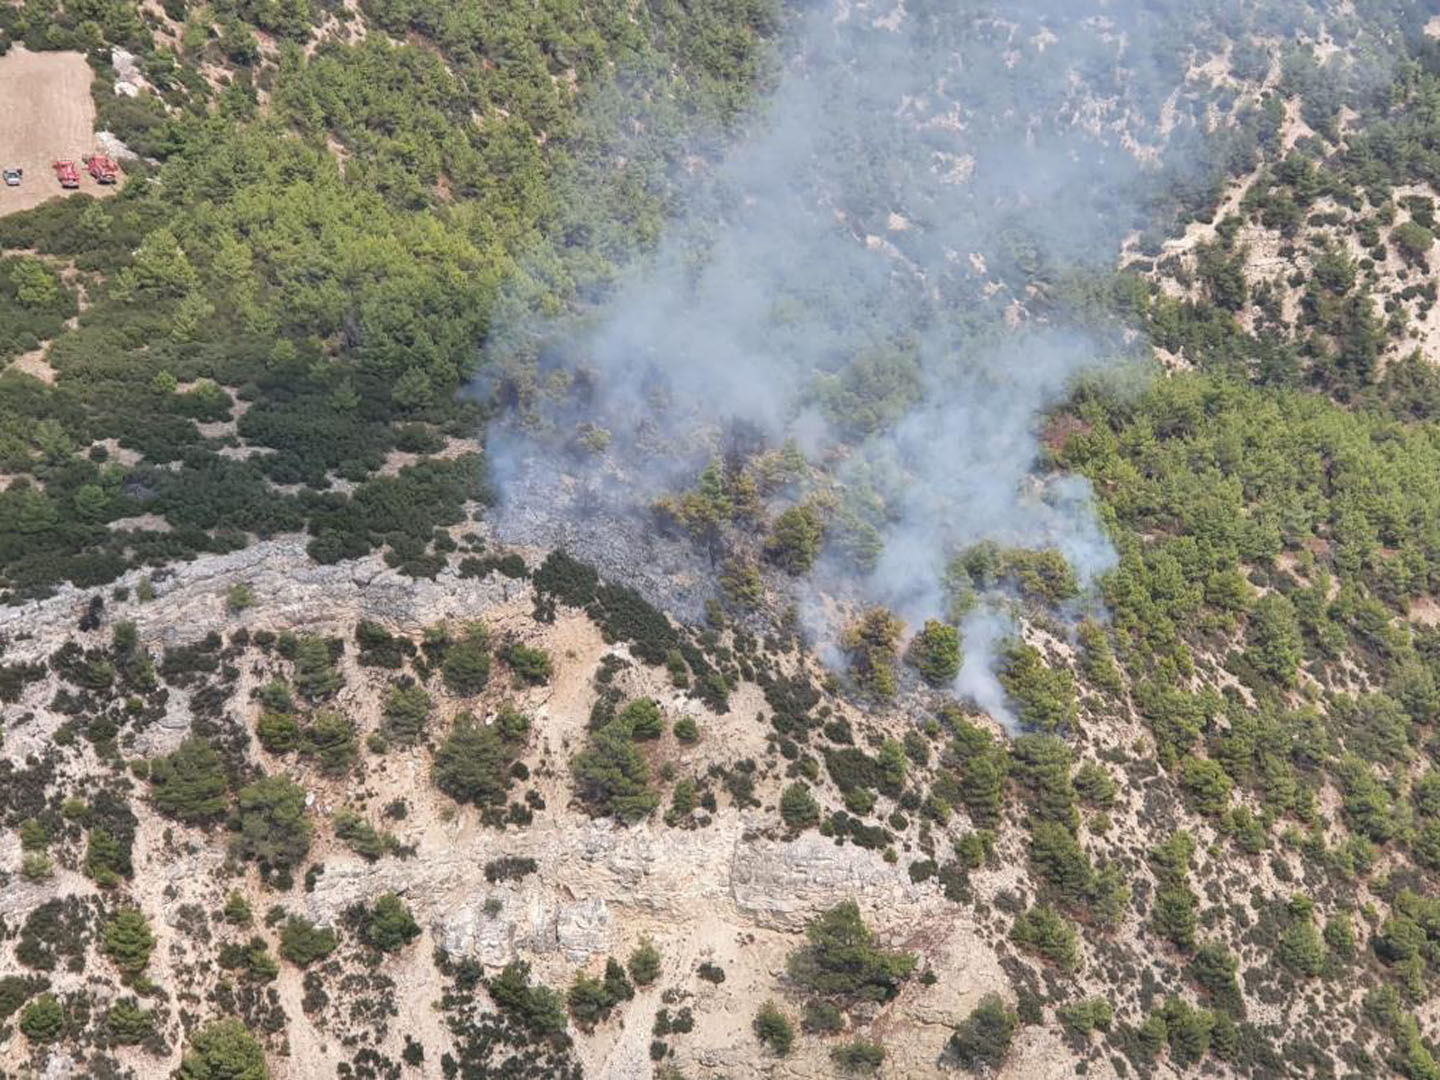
(656, 540)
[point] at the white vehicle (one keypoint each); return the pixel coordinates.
(13, 177)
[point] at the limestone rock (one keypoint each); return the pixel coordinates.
(295, 594)
(583, 930)
(781, 883)
(111, 145)
(128, 79)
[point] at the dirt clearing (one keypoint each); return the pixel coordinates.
(46, 114)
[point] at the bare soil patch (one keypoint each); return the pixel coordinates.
(46, 114)
(35, 364)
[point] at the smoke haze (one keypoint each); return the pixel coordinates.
(871, 274)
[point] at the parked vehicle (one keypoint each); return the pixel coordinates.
(66, 173)
(102, 168)
(13, 177)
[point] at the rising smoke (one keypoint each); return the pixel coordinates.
(875, 274)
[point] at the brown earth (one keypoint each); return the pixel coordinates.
(47, 115)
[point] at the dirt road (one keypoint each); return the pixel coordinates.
(46, 114)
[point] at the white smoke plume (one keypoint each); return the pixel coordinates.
(872, 273)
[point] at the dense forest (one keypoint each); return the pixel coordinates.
(310, 250)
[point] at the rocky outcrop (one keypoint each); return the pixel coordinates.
(128, 78)
(782, 883)
(293, 593)
(529, 923)
(589, 870)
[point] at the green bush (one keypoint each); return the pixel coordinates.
(128, 941)
(380, 648)
(303, 943)
(33, 835)
(1095, 785)
(1412, 241)
(466, 666)
(687, 730)
(509, 868)
(128, 1024)
(190, 784)
(237, 910)
(1097, 657)
(980, 766)
(643, 719)
(798, 807)
(858, 1056)
(270, 823)
(1041, 765)
(1207, 784)
(316, 676)
(251, 959)
(773, 1029)
(407, 712)
(472, 765)
(982, 1040)
(612, 777)
(530, 664)
(43, 1020)
(1275, 647)
(1301, 948)
(1174, 914)
(1368, 806)
(389, 926)
(513, 725)
(617, 982)
(1083, 1017)
(1049, 935)
(872, 644)
(1188, 1030)
(591, 1000)
(842, 962)
(935, 653)
(588, 1001)
(795, 539)
(538, 1009)
(1213, 968)
(363, 838)
(644, 964)
(822, 1018)
(278, 732)
(15, 990)
(223, 1050)
(1044, 696)
(331, 739)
